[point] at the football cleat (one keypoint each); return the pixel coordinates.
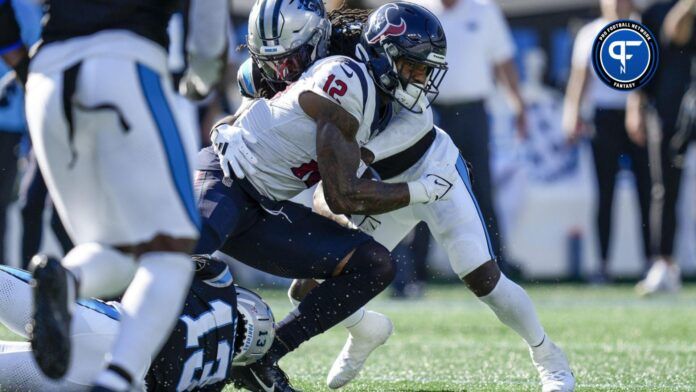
(553, 367)
(261, 376)
(49, 330)
(662, 277)
(375, 329)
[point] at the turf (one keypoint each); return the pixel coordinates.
(448, 341)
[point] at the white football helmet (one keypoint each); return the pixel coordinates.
(255, 328)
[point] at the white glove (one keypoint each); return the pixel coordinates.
(434, 185)
(230, 144)
(201, 75)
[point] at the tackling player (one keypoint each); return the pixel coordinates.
(403, 151)
(316, 125)
(219, 327)
(115, 158)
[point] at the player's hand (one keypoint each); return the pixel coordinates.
(574, 127)
(434, 185)
(230, 144)
(320, 207)
(201, 76)
(521, 125)
(635, 126)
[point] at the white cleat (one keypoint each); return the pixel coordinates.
(371, 332)
(662, 277)
(553, 368)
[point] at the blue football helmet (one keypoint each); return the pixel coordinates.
(397, 39)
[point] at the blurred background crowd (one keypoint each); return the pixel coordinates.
(578, 182)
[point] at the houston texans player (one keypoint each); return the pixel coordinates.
(316, 125)
(221, 325)
(401, 152)
(115, 158)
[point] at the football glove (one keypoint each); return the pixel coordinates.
(201, 76)
(434, 185)
(230, 145)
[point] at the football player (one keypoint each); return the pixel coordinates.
(403, 151)
(115, 158)
(221, 325)
(316, 125)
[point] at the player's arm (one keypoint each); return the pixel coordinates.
(338, 155)
(679, 23)
(206, 46)
(12, 49)
(577, 86)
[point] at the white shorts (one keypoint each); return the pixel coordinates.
(116, 158)
(456, 224)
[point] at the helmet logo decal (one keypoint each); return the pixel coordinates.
(390, 29)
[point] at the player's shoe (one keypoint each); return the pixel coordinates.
(662, 277)
(261, 376)
(375, 329)
(49, 330)
(553, 367)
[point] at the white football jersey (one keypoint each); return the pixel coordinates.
(286, 136)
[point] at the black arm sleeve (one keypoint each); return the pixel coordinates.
(10, 37)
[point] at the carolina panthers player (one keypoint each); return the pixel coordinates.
(115, 158)
(221, 325)
(315, 126)
(401, 152)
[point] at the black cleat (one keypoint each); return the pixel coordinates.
(241, 375)
(99, 388)
(49, 330)
(262, 376)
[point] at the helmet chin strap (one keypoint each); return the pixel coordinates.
(410, 102)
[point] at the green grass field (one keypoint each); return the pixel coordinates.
(450, 342)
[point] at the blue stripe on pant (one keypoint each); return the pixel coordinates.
(171, 139)
(464, 174)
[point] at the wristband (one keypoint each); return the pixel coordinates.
(418, 193)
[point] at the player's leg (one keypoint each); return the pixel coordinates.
(94, 327)
(295, 242)
(121, 146)
(369, 329)
(67, 161)
(33, 192)
(19, 372)
(154, 188)
(664, 273)
(458, 226)
(607, 146)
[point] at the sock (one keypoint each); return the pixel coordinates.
(515, 309)
(368, 272)
(351, 323)
(150, 309)
(102, 271)
(113, 380)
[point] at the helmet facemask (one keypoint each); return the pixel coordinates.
(417, 78)
(287, 67)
